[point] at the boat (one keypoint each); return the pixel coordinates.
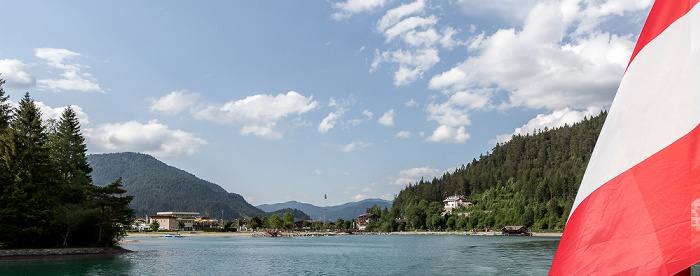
(172, 236)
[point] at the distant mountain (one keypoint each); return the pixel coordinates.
(345, 211)
(157, 186)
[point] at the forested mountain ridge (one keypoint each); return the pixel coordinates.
(346, 211)
(157, 186)
(531, 180)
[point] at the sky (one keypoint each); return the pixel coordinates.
(294, 100)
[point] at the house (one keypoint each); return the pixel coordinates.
(165, 222)
(187, 217)
(515, 231)
(201, 222)
(365, 218)
(140, 223)
(299, 225)
(454, 202)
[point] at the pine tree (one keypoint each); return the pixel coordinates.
(5, 108)
(31, 178)
(113, 211)
(68, 153)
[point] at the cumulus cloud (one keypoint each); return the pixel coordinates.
(152, 138)
(15, 74)
(556, 119)
(412, 63)
(330, 121)
(359, 197)
(544, 64)
(414, 175)
(342, 106)
(257, 114)
(418, 39)
(388, 118)
(447, 134)
(175, 102)
(72, 78)
(403, 134)
(55, 113)
(557, 58)
(411, 103)
(354, 146)
(352, 7)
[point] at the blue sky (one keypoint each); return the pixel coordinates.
(291, 100)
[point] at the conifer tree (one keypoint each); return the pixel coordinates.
(31, 178)
(68, 152)
(113, 211)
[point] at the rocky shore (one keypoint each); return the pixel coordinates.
(61, 251)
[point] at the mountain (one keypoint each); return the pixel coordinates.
(345, 211)
(531, 180)
(157, 186)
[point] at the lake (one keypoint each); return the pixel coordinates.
(338, 255)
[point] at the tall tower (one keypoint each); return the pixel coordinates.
(325, 203)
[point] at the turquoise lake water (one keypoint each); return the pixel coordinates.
(340, 255)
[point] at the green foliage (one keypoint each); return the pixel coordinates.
(155, 225)
(531, 180)
(288, 217)
(158, 187)
(276, 222)
(46, 195)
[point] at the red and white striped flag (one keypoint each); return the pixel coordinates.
(638, 207)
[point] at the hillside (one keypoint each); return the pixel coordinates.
(531, 180)
(345, 211)
(157, 186)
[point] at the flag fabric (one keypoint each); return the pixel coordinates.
(637, 211)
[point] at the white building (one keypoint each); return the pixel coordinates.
(454, 202)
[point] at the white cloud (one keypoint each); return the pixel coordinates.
(388, 118)
(394, 16)
(414, 175)
(48, 112)
(354, 146)
(72, 78)
(556, 119)
(359, 197)
(330, 121)
(15, 74)
(405, 26)
(448, 114)
(411, 103)
(152, 138)
(175, 102)
(413, 38)
(448, 134)
(257, 114)
(319, 172)
(250, 199)
(403, 134)
(545, 65)
(368, 114)
(412, 63)
(352, 7)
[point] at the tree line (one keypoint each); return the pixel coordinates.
(532, 180)
(47, 197)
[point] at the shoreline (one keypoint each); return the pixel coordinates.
(299, 234)
(61, 252)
